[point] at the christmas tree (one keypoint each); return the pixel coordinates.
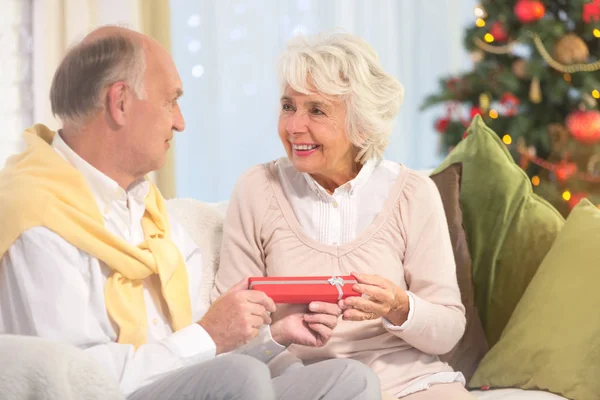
(535, 82)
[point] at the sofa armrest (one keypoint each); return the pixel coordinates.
(35, 368)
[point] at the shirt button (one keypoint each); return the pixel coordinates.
(268, 352)
(334, 204)
(106, 210)
(155, 321)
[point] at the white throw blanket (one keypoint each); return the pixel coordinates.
(204, 223)
(39, 369)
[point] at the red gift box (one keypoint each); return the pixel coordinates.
(304, 289)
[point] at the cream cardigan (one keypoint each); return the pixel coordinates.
(408, 243)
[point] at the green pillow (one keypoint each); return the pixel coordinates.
(552, 341)
(509, 228)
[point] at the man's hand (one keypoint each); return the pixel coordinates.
(235, 318)
(307, 326)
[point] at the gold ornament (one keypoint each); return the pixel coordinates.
(567, 69)
(571, 49)
(477, 56)
(535, 91)
(484, 101)
(520, 68)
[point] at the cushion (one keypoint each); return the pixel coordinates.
(509, 228)
(204, 223)
(552, 341)
(469, 351)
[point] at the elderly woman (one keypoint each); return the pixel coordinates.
(335, 207)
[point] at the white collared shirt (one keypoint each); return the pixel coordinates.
(51, 289)
(338, 218)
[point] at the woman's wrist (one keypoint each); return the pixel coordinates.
(398, 314)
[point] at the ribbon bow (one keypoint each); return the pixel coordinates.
(338, 283)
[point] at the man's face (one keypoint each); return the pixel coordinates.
(153, 118)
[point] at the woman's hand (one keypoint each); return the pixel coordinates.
(383, 299)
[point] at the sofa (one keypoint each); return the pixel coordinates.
(40, 369)
(520, 264)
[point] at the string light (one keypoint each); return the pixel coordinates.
(493, 114)
(566, 195)
(479, 12)
(488, 37)
(506, 139)
(535, 180)
(480, 23)
(596, 94)
(567, 77)
(597, 32)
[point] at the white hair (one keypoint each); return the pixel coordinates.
(89, 68)
(343, 66)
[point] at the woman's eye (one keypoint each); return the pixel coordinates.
(286, 107)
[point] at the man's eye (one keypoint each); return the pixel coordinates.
(287, 107)
(316, 111)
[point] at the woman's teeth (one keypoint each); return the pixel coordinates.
(304, 147)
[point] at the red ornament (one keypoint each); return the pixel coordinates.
(441, 125)
(575, 199)
(584, 126)
(511, 103)
(498, 32)
(565, 170)
(465, 134)
(591, 11)
(529, 10)
(475, 111)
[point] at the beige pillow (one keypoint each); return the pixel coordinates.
(471, 348)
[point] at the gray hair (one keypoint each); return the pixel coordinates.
(88, 68)
(343, 66)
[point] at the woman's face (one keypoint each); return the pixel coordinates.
(312, 130)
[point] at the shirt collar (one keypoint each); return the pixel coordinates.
(363, 175)
(104, 189)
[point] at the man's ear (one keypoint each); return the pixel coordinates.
(117, 102)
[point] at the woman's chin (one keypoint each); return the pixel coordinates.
(304, 165)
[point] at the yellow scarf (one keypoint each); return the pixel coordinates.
(39, 188)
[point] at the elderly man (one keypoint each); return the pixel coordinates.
(90, 257)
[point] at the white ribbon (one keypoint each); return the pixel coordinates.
(338, 283)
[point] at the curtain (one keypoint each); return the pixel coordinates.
(16, 110)
(226, 52)
(155, 22)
